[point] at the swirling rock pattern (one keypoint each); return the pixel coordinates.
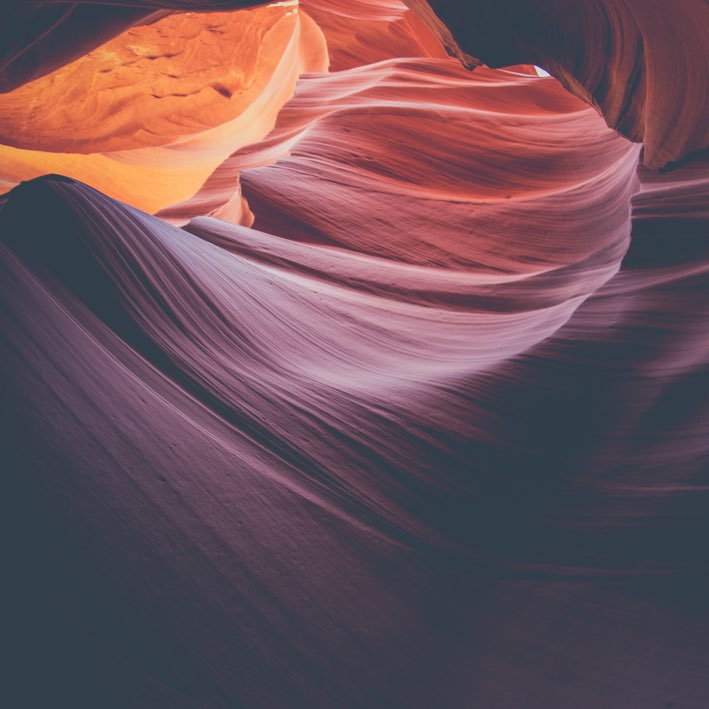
(39, 36)
(411, 412)
(148, 116)
(642, 64)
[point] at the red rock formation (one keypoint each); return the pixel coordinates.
(367, 31)
(641, 62)
(147, 117)
(433, 433)
(39, 36)
(361, 116)
(624, 57)
(500, 150)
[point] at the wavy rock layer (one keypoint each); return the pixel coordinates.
(310, 465)
(643, 66)
(367, 31)
(147, 117)
(641, 63)
(40, 36)
(432, 433)
(500, 141)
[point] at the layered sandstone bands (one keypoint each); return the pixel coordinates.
(410, 411)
